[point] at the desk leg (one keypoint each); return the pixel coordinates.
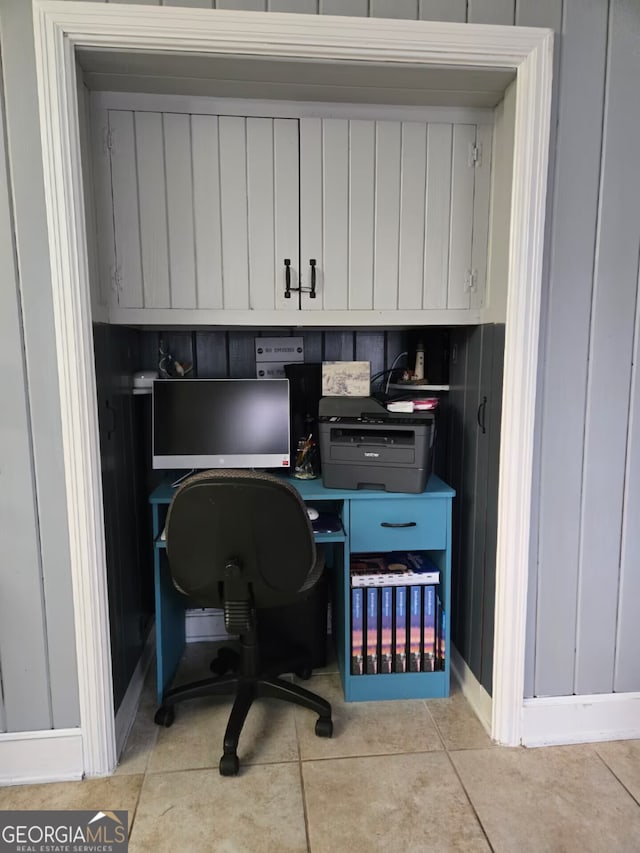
(170, 629)
(342, 604)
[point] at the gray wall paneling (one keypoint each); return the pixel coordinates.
(541, 13)
(610, 352)
(627, 665)
(246, 5)
(25, 158)
(491, 11)
(200, 4)
(566, 354)
(356, 8)
(443, 10)
(567, 312)
(301, 7)
(547, 13)
(24, 695)
(407, 9)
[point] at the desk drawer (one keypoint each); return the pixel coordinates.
(421, 525)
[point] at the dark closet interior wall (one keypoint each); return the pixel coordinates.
(123, 424)
(474, 412)
(125, 438)
(218, 353)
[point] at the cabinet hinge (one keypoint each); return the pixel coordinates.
(470, 281)
(108, 139)
(475, 155)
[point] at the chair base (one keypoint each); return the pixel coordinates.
(246, 689)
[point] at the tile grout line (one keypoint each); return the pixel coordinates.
(135, 810)
(305, 816)
(616, 777)
(435, 723)
(470, 801)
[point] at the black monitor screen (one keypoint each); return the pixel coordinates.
(220, 423)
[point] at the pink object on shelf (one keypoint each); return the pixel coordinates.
(426, 404)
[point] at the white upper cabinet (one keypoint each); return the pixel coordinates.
(201, 217)
(394, 213)
(204, 212)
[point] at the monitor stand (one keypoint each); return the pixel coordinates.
(182, 478)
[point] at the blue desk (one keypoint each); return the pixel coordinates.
(365, 515)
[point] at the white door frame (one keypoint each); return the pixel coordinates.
(60, 27)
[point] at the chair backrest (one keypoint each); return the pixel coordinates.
(223, 519)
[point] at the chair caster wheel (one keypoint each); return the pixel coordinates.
(225, 661)
(229, 764)
(304, 672)
(324, 727)
(165, 715)
(219, 666)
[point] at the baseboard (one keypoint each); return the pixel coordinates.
(473, 691)
(581, 719)
(204, 624)
(53, 755)
(129, 706)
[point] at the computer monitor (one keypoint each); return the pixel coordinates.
(220, 423)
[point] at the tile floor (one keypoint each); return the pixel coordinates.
(396, 776)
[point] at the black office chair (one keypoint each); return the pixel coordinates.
(242, 541)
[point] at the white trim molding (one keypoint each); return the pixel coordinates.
(581, 719)
(126, 714)
(473, 691)
(52, 755)
(60, 28)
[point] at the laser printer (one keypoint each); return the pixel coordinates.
(363, 446)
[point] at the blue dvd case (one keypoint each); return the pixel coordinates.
(415, 628)
(386, 629)
(357, 636)
(400, 631)
(429, 630)
(371, 633)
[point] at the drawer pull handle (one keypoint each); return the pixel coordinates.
(287, 278)
(398, 524)
(312, 264)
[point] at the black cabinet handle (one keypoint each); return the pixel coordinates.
(482, 411)
(288, 290)
(287, 278)
(312, 264)
(398, 524)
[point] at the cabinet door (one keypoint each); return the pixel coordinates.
(205, 210)
(395, 213)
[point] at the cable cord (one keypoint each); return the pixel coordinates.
(391, 369)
